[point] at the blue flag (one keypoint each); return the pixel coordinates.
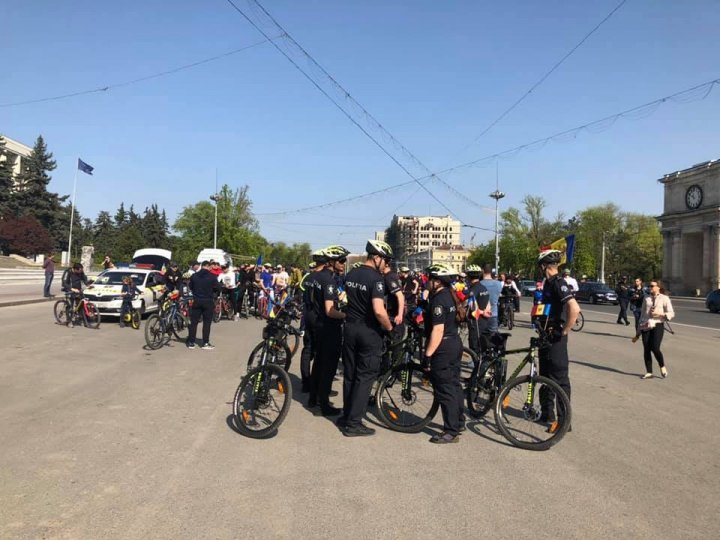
(84, 167)
(259, 260)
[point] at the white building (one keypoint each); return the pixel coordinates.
(15, 152)
(421, 233)
(453, 256)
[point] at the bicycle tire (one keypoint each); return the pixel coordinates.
(217, 312)
(292, 344)
(579, 323)
(154, 332)
(60, 310)
(510, 318)
(482, 390)
(135, 319)
(246, 409)
(503, 409)
(91, 315)
(229, 311)
(180, 327)
(397, 411)
(280, 356)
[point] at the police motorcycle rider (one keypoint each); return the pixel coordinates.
(443, 351)
(310, 318)
(366, 321)
(564, 310)
(328, 329)
(478, 310)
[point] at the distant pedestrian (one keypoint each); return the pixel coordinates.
(204, 285)
(637, 297)
(49, 266)
(107, 263)
(494, 288)
(623, 293)
(656, 309)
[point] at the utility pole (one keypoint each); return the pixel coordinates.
(497, 195)
(215, 198)
(602, 260)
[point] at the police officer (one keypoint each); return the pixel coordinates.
(395, 305)
(478, 310)
(328, 331)
(444, 351)
(310, 318)
(623, 294)
(362, 347)
(564, 310)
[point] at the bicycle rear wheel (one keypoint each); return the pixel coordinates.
(91, 315)
(579, 323)
(180, 327)
(468, 361)
(262, 401)
(510, 315)
(279, 355)
(519, 417)
(135, 319)
(154, 332)
(217, 311)
(405, 400)
(60, 310)
(482, 390)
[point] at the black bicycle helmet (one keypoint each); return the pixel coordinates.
(378, 247)
(549, 256)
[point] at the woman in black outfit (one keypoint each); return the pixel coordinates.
(444, 351)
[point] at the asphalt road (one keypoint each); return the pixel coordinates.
(103, 439)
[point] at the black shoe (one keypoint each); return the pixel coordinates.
(619, 322)
(627, 323)
(358, 431)
(333, 393)
(444, 438)
(340, 423)
(462, 428)
(329, 410)
(312, 401)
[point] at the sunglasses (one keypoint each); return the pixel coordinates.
(653, 285)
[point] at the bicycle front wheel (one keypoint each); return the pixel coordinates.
(60, 310)
(279, 354)
(510, 315)
(405, 400)
(135, 319)
(519, 416)
(154, 332)
(262, 401)
(91, 315)
(579, 323)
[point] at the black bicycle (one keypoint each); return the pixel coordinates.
(284, 337)
(579, 323)
(516, 399)
(507, 313)
(171, 319)
(263, 399)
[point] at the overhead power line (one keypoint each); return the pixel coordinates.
(546, 75)
(352, 101)
(695, 93)
(139, 79)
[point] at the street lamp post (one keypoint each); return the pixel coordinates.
(497, 195)
(214, 197)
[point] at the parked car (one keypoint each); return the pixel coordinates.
(105, 290)
(597, 293)
(712, 302)
(527, 287)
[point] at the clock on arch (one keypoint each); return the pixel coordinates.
(694, 197)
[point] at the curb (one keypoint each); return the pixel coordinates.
(12, 303)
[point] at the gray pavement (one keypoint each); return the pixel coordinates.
(103, 439)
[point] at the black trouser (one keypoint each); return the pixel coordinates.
(362, 349)
(201, 308)
(240, 299)
(327, 340)
(445, 378)
(651, 344)
(307, 356)
(554, 364)
(516, 303)
(622, 316)
(125, 308)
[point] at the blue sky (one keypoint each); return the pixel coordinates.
(435, 74)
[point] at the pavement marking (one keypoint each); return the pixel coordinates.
(672, 323)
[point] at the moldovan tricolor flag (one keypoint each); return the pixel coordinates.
(567, 246)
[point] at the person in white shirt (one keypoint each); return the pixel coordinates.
(229, 282)
(571, 281)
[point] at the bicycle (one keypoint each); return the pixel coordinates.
(170, 320)
(263, 398)
(507, 313)
(516, 401)
(579, 323)
(132, 317)
(223, 306)
(280, 330)
(68, 313)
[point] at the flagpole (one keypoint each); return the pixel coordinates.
(72, 215)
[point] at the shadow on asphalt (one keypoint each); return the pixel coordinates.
(606, 334)
(602, 368)
(488, 426)
(230, 420)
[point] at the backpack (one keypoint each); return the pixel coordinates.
(64, 280)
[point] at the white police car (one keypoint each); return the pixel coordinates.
(144, 271)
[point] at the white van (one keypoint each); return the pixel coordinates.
(218, 255)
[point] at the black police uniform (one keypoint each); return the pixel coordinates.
(478, 328)
(310, 317)
(327, 340)
(554, 360)
(445, 362)
(204, 285)
(393, 285)
(362, 342)
(622, 290)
